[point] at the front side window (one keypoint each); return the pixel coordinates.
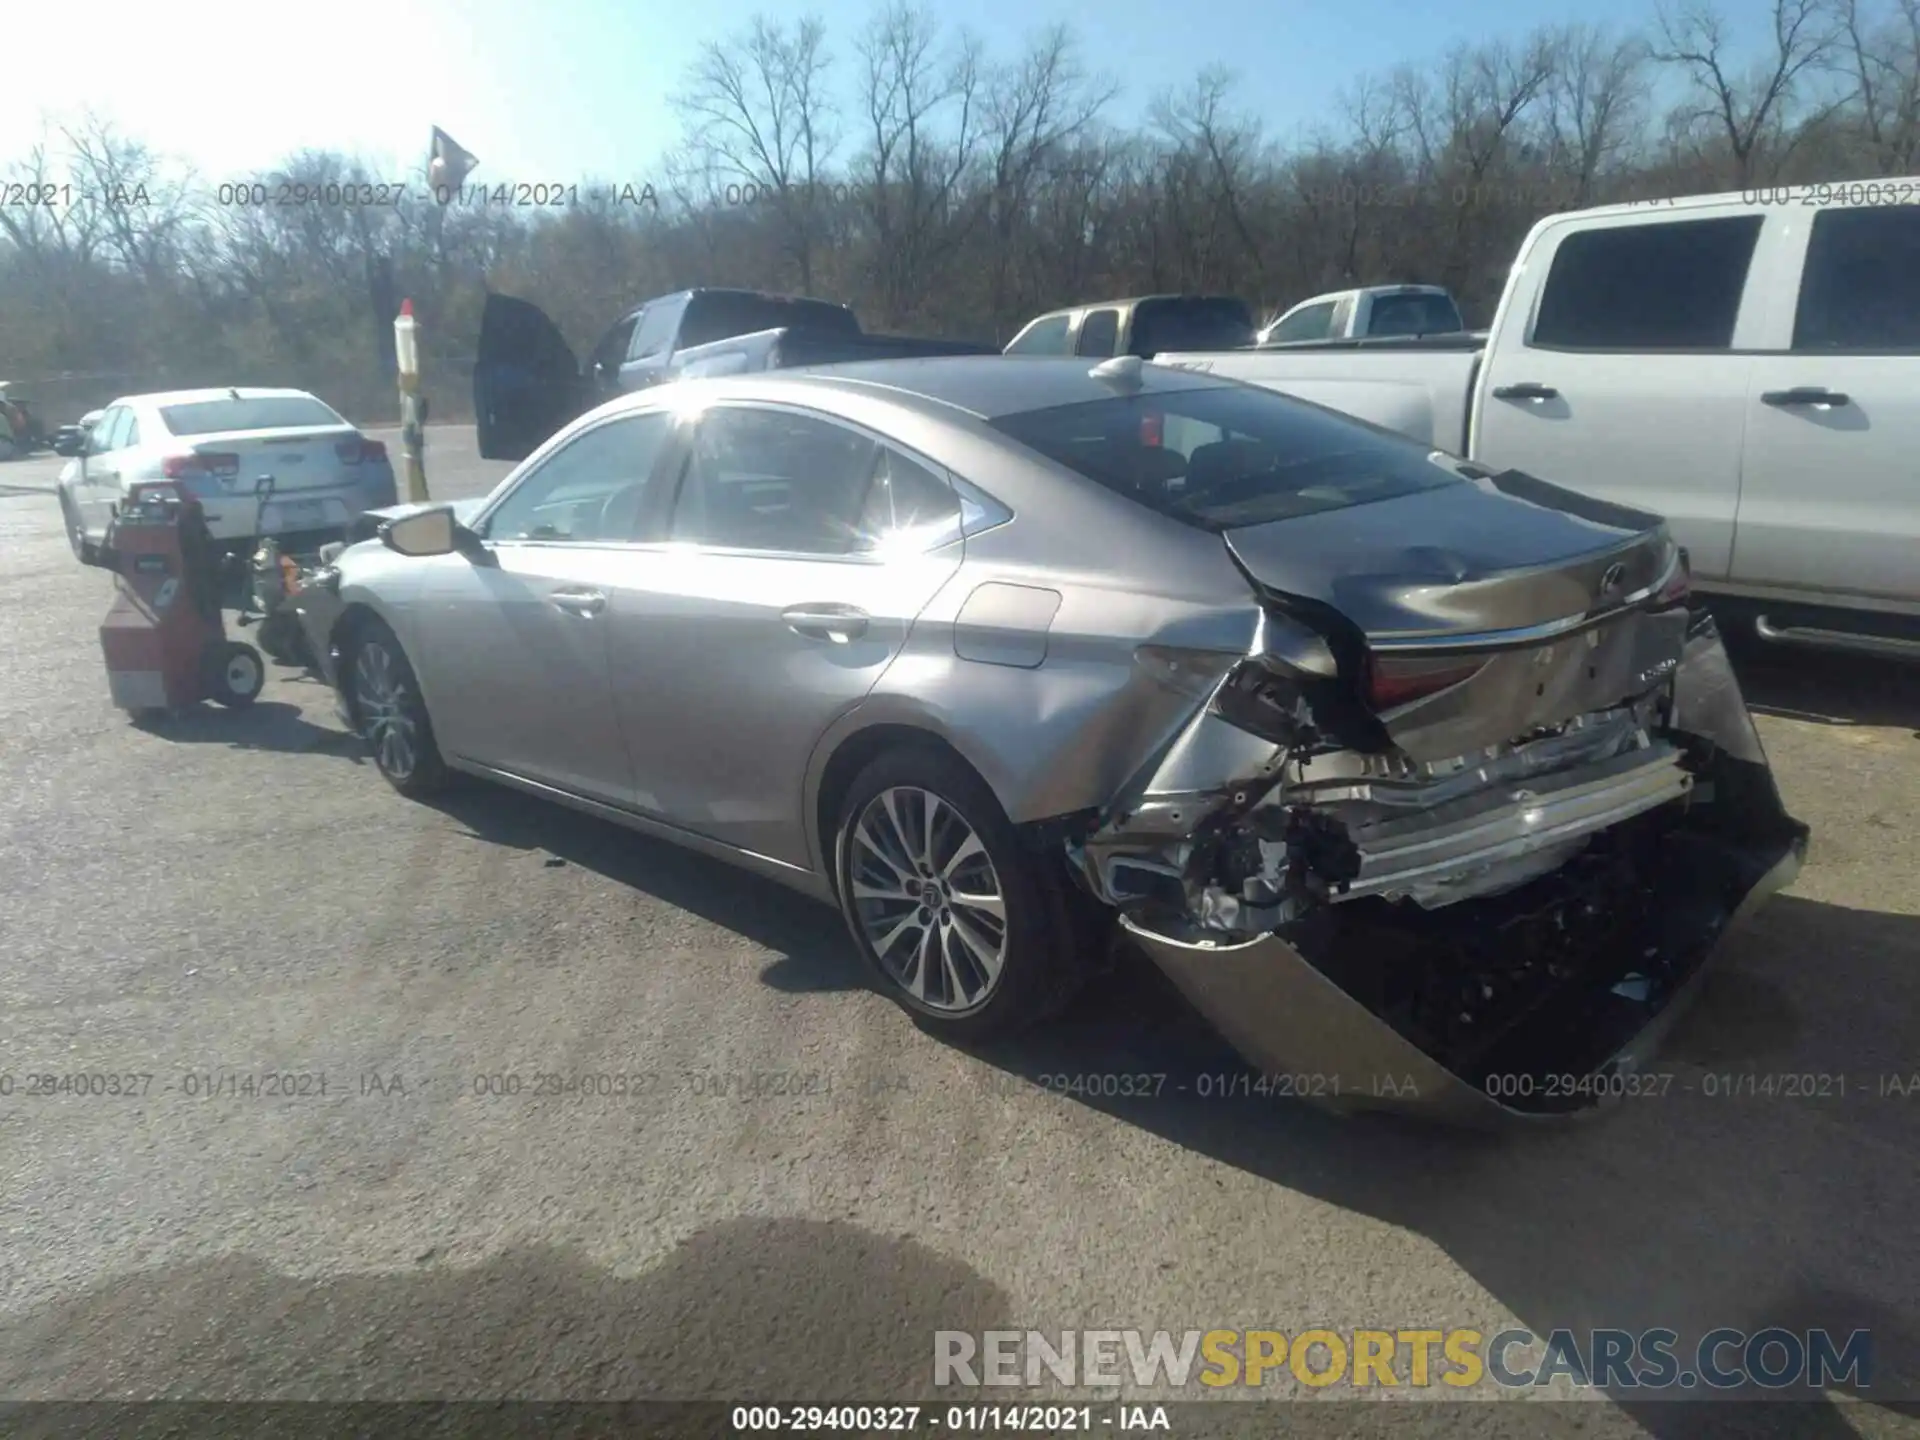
(1217, 458)
(776, 481)
(1673, 285)
(1042, 337)
(655, 331)
(589, 490)
(1860, 289)
(100, 439)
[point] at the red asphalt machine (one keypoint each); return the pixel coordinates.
(165, 644)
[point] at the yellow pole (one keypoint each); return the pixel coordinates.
(413, 405)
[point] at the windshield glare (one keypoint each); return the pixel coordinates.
(1218, 458)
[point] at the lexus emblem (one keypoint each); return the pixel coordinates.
(1611, 581)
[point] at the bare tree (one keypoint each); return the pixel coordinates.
(909, 178)
(1882, 61)
(759, 114)
(1035, 108)
(1746, 108)
(1595, 93)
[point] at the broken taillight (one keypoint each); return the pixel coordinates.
(1678, 584)
(1395, 682)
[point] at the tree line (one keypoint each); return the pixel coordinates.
(937, 187)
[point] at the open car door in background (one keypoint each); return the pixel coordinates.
(526, 379)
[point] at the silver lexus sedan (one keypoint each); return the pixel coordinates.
(1424, 784)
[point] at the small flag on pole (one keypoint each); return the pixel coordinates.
(448, 163)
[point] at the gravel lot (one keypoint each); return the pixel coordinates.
(244, 895)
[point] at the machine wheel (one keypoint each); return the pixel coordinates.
(233, 674)
(384, 696)
(967, 929)
(76, 531)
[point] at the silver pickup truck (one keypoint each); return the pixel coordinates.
(1747, 365)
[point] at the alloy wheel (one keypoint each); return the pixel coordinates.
(386, 719)
(928, 899)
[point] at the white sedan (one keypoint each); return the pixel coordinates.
(221, 444)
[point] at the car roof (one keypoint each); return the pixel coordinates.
(189, 397)
(989, 386)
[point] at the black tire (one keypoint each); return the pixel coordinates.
(232, 674)
(425, 772)
(76, 532)
(1042, 963)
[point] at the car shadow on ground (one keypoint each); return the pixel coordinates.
(1828, 689)
(809, 940)
(746, 1309)
(271, 725)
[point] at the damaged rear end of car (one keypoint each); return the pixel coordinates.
(1462, 830)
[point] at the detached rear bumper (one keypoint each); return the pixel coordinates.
(1287, 1018)
(1369, 1002)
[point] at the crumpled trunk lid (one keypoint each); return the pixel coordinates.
(1447, 565)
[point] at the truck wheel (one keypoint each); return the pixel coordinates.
(233, 674)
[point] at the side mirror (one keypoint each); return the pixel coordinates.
(69, 442)
(423, 533)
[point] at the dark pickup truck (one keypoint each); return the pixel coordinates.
(527, 382)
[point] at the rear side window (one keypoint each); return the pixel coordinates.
(1669, 286)
(265, 412)
(1099, 333)
(1860, 289)
(1042, 337)
(1412, 315)
(1174, 325)
(1217, 458)
(1311, 323)
(773, 480)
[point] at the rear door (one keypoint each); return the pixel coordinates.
(1616, 368)
(797, 555)
(516, 650)
(526, 379)
(1830, 484)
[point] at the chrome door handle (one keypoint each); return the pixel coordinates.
(838, 623)
(579, 602)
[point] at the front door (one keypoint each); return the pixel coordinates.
(1623, 382)
(1830, 489)
(526, 380)
(797, 555)
(518, 649)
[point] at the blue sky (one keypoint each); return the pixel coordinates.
(559, 90)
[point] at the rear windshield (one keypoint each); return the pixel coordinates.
(1210, 324)
(721, 317)
(1217, 458)
(1413, 315)
(266, 412)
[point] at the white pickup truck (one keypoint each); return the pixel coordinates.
(1747, 365)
